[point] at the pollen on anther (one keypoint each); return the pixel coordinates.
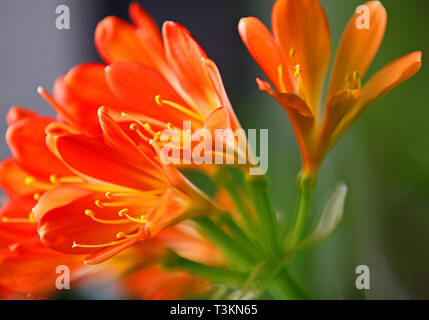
(169, 125)
(109, 195)
(89, 213)
(158, 100)
(29, 180)
(53, 178)
(120, 235)
(134, 126)
(36, 196)
(123, 212)
(31, 217)
(98, 204)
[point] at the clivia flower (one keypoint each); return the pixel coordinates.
(296, 57)
(120, 192)
(26, 251)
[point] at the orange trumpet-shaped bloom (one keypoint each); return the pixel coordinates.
(295, 58)
(122, 192)
(28, 265)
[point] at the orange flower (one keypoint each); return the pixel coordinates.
(296, 59)
(33, 172)
(115, 154)
(23, 258)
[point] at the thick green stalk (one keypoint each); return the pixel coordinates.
(223, 241)
(300, 221)
(306, 186)
(215, 274)
(265, 212)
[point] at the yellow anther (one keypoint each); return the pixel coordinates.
(355, 75)
(120, 235)
(99, 204)
(123, 212)
(143, 219)
(89, 213)
(158, 100)
(31, 217)
(297, 72)
(281, 79)
(123, 114)
(109, 195)
(29, 181)
(134, 126)
(178, 107)
(292, 53)
(169, 125)
(36, 196)
(53, 179)
(74, 245)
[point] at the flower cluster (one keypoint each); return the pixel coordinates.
(90, 183)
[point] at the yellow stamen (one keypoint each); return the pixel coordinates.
(356, 78)
(17, 220)
(29, 181)
(299, 85)
(77, 245)
(281, 79)
(99, 204)
(178, 107)
(36, 196)
(53, 179)
(91, 214)
(123, 212)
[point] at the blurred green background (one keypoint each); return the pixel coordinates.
(383, 159)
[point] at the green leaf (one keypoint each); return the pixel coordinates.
(329, 220)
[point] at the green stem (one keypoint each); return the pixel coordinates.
(306, 186)
(227, 245)
(300, 221)
(215, 274)
(251, 247)
(266, 215)
(288, 287)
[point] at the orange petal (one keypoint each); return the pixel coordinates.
(300, 116)
(381, 83)
(115, 138)
(138, 85)
(33, 269)
(26, 139)
(82, 91)
(17, 113)
(218, 84)
(358, 47)
(266, 52)
(117, 40)
(337, 107)
(12, 178)
(60, 214)
(303, 26)
(144, 21)
(168, 210)
(105, 254)
(92, 158)
(185, 57)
